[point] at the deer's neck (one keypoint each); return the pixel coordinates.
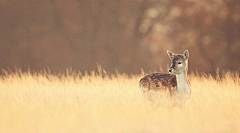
(183, 93)
(182, 85)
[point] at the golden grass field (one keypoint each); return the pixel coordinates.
(40, 102)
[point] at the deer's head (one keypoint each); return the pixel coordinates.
(179, 62)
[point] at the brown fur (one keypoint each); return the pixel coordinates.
(158, 82)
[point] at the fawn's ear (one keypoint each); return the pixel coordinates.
(170, 54)
(186, 54)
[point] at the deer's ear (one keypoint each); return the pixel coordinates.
(186, 54)
(170, 54)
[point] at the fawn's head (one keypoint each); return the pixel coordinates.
(179, 62)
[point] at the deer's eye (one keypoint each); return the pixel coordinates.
(179, 63)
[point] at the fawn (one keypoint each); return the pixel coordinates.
(175, 87)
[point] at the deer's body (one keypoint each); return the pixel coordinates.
(159, 86)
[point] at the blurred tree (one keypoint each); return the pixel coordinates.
(210, 29)
(58, 34)
(126, 35)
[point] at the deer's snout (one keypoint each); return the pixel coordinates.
(170, 70)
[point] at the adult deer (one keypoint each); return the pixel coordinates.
(174, 87)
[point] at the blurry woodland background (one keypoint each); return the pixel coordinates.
(119, 34)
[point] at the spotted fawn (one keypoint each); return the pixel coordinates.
(174, 86)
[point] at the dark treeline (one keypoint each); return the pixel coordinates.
(125, 35)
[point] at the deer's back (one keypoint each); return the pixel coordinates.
(158, 82)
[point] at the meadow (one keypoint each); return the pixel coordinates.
(41, 102)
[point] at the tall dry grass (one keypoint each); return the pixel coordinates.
(101, 102)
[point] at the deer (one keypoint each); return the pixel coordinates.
(173, 86)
